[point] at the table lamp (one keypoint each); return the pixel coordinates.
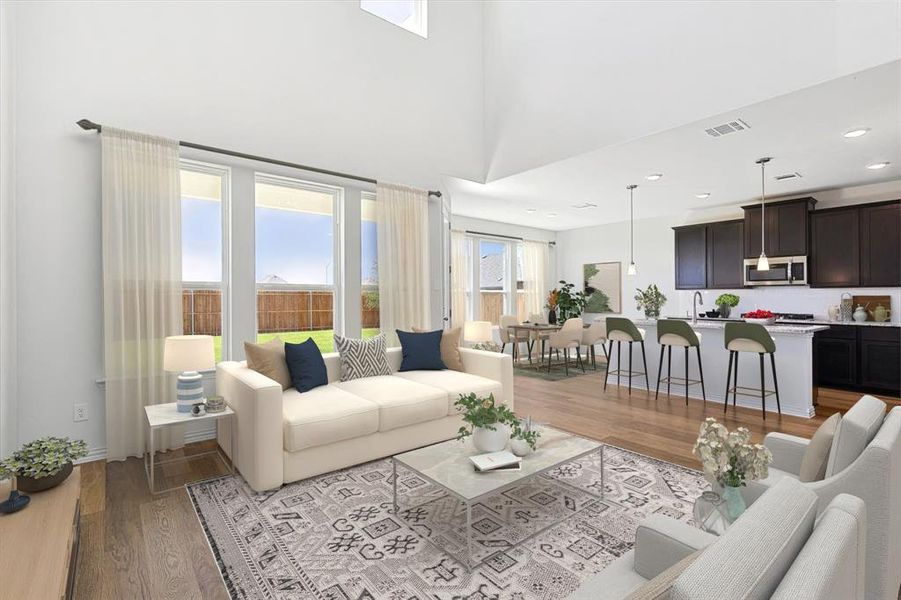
(477, 332)
(186, 355)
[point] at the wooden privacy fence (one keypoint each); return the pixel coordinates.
(277, 310)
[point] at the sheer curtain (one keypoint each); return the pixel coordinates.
(141, 282)
(460, 272)
(403, 255)
(535, 257)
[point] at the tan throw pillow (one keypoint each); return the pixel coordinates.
(450, 347)
(269, 360)
(659, 588)
(816, 457)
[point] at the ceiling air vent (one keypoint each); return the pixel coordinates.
(730, 127)
(785, 176)
(585, 205)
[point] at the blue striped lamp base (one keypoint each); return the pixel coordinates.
(189, 390)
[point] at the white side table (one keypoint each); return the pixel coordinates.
(167, 415)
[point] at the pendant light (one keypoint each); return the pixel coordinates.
(631, 270)
(763, 264)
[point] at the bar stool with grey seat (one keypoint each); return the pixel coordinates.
(750, 337)
(674, 332)
(619, 330)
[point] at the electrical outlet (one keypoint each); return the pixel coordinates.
(80, 413)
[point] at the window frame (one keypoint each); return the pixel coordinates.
(224, 172)
(474, 301)
(338, 194)
(419, 24)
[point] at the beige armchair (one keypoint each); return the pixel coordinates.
(594, 334)
(568, 338)
(510, 336)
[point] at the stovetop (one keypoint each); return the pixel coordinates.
(795, 316)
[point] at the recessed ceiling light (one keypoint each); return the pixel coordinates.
(585, 205)
(878, 165)
(552, 214)
(654, 176)
(857, 132)
(531, 210)
(702, 196)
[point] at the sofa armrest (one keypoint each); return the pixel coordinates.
(788, 451)
(257, 402)
(661, 542)
(491, 365)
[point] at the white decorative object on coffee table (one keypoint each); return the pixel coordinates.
(448, 466)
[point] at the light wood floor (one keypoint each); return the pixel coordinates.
(135, 545)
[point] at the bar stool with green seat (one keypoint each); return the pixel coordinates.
(674, 332)
(619, 330)
(750, 337)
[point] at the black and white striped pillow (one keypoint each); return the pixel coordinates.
(363, 358)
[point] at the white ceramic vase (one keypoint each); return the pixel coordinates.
(520, 447)
(487, 440)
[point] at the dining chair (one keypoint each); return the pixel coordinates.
(569, 337)
(594, 334)
(510, 336)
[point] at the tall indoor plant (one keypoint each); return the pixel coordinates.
(570, 303)
(731, 460)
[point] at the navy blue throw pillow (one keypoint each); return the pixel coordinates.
(306, 365)
(421, 351)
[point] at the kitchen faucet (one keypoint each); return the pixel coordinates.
(694, 308)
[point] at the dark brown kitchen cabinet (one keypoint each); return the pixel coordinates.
(880, 244)
(786, 228)
(835, 248)
(880, 356)
(835, 356)
(859, 358)
(725, 250)
(691, 257)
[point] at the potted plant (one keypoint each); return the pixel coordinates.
(489, 423)
(650, 300)
(730, 460)
(524, 438)
(725, 303)
(43, 463)
(551, 306)
(570, 302)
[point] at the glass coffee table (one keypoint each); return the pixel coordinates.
(447, 466)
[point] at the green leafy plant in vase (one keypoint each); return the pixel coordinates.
(650, 300)
(488, 422)
(570, 303)
(725, 303)
(524, 438)
(43, 463)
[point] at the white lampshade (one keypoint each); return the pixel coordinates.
(477, 331)
(188, 353)
(763, 264)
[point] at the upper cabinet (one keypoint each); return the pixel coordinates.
(786, 228)
(709, 255)
(691, 257)
(856, 246)
(880, 245)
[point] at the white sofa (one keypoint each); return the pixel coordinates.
(285, 436)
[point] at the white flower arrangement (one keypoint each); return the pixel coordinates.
(730, 458)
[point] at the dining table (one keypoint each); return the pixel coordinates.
(536, 331)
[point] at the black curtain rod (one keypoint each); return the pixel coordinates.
(88, 125)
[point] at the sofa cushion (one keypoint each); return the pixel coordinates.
(269, 360)
(816, 456)
(450, 347)
(306, 365)
(401, 402)
(455, 383)
(421, 351)
(857, 428)
(324, 415)
(363, 358)
(749, 560)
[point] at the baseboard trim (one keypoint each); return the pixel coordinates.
(208, 432)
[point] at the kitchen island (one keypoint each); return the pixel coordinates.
(794, 366)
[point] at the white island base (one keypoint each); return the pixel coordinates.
(794, 367)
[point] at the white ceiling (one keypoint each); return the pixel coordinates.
(802, 131)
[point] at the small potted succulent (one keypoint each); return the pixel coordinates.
(43, 463)
(489, 423)
(650, 300)
(725, 303)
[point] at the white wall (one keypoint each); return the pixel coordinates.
(320, 83)
(654, 257)
(8, 410)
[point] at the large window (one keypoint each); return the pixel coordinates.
(412, 15)
(496, 274)
(298, 260)
(369, 267)
(204, 189)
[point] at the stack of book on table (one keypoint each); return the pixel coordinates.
(496, 461)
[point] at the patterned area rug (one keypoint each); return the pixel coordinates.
(334, 537)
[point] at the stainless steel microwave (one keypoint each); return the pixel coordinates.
(784, 270)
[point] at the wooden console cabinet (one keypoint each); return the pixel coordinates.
(39, 544)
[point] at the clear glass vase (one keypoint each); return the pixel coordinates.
(710, 513)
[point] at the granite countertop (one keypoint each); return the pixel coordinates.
(856, 323)
(721, 324)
